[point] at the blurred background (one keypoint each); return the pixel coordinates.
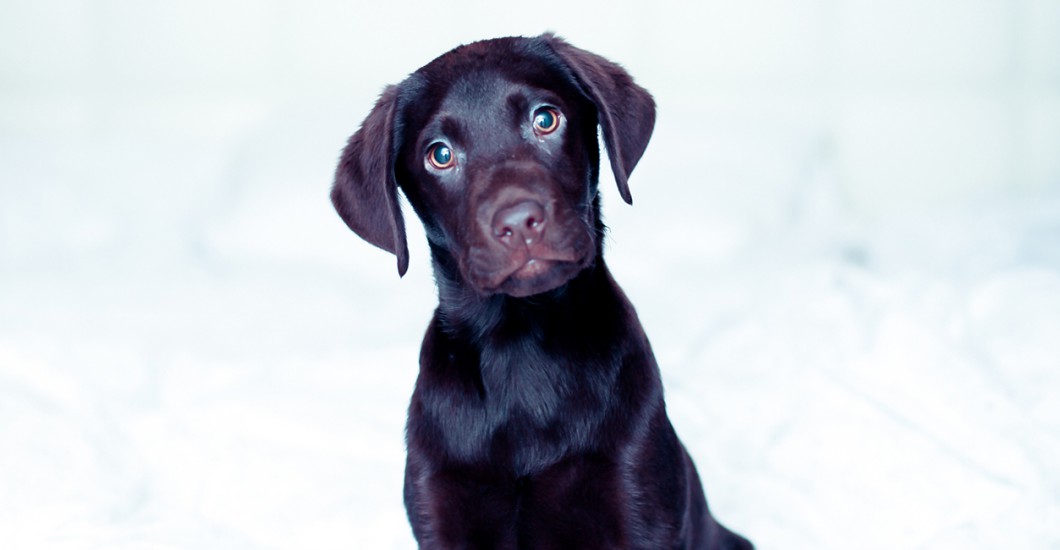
(845, 247)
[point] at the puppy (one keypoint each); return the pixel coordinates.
(537, 420)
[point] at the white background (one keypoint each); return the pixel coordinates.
(845, 247)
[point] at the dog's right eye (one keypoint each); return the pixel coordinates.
(546, 120)
(440, 156)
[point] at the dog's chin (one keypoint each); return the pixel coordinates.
(537, 277)
(529, 272)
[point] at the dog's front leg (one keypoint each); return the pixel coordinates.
(457, 509)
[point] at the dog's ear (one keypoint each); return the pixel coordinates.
(626, 111)
(365, 188)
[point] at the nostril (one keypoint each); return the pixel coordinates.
(526, 220)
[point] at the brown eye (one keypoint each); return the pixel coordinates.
(546, 120)
(440, 156)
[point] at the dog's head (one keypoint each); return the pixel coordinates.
(495, 146)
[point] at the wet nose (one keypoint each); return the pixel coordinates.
(519, 224)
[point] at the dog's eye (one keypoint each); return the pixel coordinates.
(546, 120)
(440, 156)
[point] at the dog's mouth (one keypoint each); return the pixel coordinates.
(533, 269)
(537, 276)
(530, 273)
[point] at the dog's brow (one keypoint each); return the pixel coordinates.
(517, 102)
(451, 127)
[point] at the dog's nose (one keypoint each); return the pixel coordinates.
(523, 222)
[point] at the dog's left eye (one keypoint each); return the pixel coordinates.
(546, 120)
(440, 156)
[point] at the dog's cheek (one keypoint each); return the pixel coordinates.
(579, 163)
(424, 195)
(451, 228)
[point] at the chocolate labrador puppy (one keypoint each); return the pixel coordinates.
(538, 418)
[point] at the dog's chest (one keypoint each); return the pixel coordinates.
(540, 408)
(525, 389)
(526, 409)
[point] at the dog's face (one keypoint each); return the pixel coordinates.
(495, 146)
(499, 169)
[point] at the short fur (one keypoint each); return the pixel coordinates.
(538, 418)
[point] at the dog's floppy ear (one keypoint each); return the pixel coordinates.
(365, 188)
(626, 111)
